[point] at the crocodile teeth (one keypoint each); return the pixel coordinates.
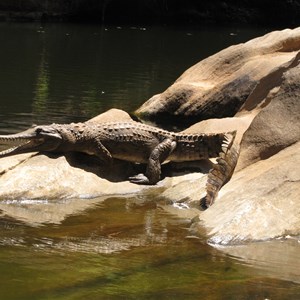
(7, 151)
(12, 139)
(12, 149)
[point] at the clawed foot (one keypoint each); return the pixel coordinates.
(203, 203)
(139, 179)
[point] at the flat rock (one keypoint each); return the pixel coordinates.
(51, 177)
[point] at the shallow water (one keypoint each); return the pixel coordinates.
(119, 248)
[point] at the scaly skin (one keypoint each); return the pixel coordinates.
(134, 142)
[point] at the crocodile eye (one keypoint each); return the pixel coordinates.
(38, 130)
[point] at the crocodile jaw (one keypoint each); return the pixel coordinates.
(31, 140)
(23, 145)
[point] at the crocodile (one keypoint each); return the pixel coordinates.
(135, 142)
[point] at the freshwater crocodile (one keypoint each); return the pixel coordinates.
(134, 142)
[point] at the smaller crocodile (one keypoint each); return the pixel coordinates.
(134, 142)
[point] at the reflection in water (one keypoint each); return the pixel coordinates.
(40, 100)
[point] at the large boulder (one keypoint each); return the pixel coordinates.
(258, 83)
(277, 125)
(219, 85)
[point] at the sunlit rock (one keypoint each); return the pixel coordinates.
(112, 115)
(260, 202)
(257, 83)
(219, 85)
(39, 188)
(277, 125)
(50, 177)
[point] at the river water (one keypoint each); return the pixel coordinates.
(116, 248)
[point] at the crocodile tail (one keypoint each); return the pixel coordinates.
(222, 170)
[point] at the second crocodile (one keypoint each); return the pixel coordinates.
(134, 142)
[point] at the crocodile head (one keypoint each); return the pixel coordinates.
(36, 139)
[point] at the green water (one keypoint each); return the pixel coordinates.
(120, 248)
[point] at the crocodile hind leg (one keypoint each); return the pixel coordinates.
(222, 170)
(158, 155)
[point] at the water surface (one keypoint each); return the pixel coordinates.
(120, 248)
(62, 73)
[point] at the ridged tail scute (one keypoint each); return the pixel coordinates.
(222, 170)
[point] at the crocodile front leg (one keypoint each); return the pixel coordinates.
(157, 156)
(222, 170)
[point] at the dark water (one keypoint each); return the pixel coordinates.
(68, 73)
(119, 248)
